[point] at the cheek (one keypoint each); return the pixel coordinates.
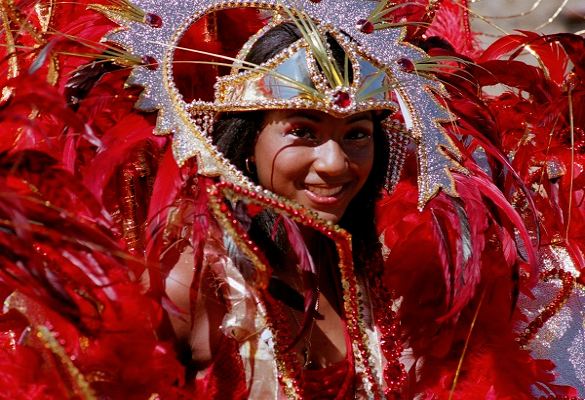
(279, 170)
(264, 164)
(275, 163)
(363, 161)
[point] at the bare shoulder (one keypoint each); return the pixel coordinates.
(198, 329)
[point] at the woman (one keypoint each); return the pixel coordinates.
(279, 301)
(256, 325)
(333, 166)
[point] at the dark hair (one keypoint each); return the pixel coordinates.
(235, 136)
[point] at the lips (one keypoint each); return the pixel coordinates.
(329, 201)
(324, 191)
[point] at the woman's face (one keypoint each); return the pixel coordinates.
(315, 159)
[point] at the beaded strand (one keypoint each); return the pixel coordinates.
(289, 368)
(549, 311)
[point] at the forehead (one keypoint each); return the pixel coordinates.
(275, 116)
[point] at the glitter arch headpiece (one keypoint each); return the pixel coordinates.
(302, 76)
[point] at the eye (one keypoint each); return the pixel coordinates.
(357, 134)
(302, 133)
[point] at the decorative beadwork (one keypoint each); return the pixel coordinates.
(42, 332)
(398, 139)
(287, 362)
(549, 311)
(289, 368)
(394, 371)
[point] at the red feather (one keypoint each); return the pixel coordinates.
(118, 146)
(574, 45)
(501, 47)
(309, 273)
(515, 74)
(167, 185)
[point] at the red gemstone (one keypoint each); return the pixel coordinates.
(342, 99)
(153, 20)
(366, 26)
(150, 62)
(406, 64)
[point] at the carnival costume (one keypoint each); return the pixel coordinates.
(92, 201)
(546, 149)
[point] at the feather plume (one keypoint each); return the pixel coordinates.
(309, 273)
(201, 226)
(167, 185)
(117, 147)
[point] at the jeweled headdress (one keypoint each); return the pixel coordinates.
(302, 76)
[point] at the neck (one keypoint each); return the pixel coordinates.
(311, 237)
(315, 244)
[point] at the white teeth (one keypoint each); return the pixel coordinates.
(324, 192)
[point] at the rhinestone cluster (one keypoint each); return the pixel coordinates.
(398, 139)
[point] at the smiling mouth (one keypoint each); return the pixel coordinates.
(324, 191)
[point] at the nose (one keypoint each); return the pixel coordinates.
(330, 159)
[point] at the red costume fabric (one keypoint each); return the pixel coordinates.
(226, 380)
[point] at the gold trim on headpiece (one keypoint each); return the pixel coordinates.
(293, 79)
(389, 85)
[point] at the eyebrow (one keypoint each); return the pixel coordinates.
(315, 117)
(364, 117)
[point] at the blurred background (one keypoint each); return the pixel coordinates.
(541, 16)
